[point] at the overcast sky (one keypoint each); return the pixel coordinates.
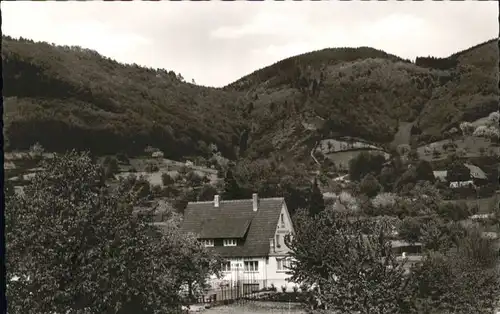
(217, 42)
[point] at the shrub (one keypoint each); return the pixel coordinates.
(273, 287)
(152, 167)
(304, 287)
(295, 288)
(283, 288)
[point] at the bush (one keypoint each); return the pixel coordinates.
(166, 179)
(152, 167)
(273, 287)
(283, 288)
(304, 287)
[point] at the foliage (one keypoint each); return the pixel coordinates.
(232, 190)
(410, 229)
(207, 193)
(36, 150)
(140, 186)
(471, 94)
(111, 166)
(364, 164)
(269, 178)
(424, 171)
(467, 128)
(71, 92)
(316, 201)
(457, 171)
(384, 200)
(354, 272)
(77, 247)
(56, 94)
(455, 211)
(370, 186)
(151, 167)
(464, 280)
(166, 179)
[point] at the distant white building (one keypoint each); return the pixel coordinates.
(157, 154)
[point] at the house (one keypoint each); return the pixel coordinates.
(477, 174)
(157, 154)
(249, 234)
(440, 175)
(461, 184)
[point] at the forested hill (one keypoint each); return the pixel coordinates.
(69, 97)
(364, 92)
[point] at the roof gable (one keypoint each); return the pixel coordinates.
(476, 172)
(235, 219)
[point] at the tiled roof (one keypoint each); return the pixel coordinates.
(230, 228)
(440, 174)
(476, 172)
(203, 219)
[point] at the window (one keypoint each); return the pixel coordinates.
(252, 266)
(207, 242)
(282, 220)
(226, 266)
(278, 245)
(229, 242)
(283, 264)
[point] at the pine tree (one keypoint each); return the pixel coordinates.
(316, 201)
(232, 189)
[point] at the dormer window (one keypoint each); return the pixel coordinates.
(208, 242)
(230, 242)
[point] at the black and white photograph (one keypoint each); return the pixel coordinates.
(253, 157)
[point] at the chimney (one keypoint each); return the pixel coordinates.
(255, 202)
(216, 200)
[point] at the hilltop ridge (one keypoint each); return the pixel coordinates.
(70, 97)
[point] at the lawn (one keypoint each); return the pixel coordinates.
(484, 204)
(403, 135)
(472, 146)
(341, 159)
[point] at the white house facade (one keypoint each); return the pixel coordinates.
(249, 235)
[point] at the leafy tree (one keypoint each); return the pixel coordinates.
(457, 171)
(123, 158)
(152, 167)
(413, 155)
(207, 193)
(232, 190)
(166, 179)
(138, 185)
(355, 272)
(455, 211)
(434, 236)
(36, 150)
(77, 247)
(424, 171)
(370, 186)
(410, 229)
(8, 189)
(193, 179)
(364, 164)
(464, 280)
(408, 177)
(111, 166)
(467, 128)
(316, 201)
